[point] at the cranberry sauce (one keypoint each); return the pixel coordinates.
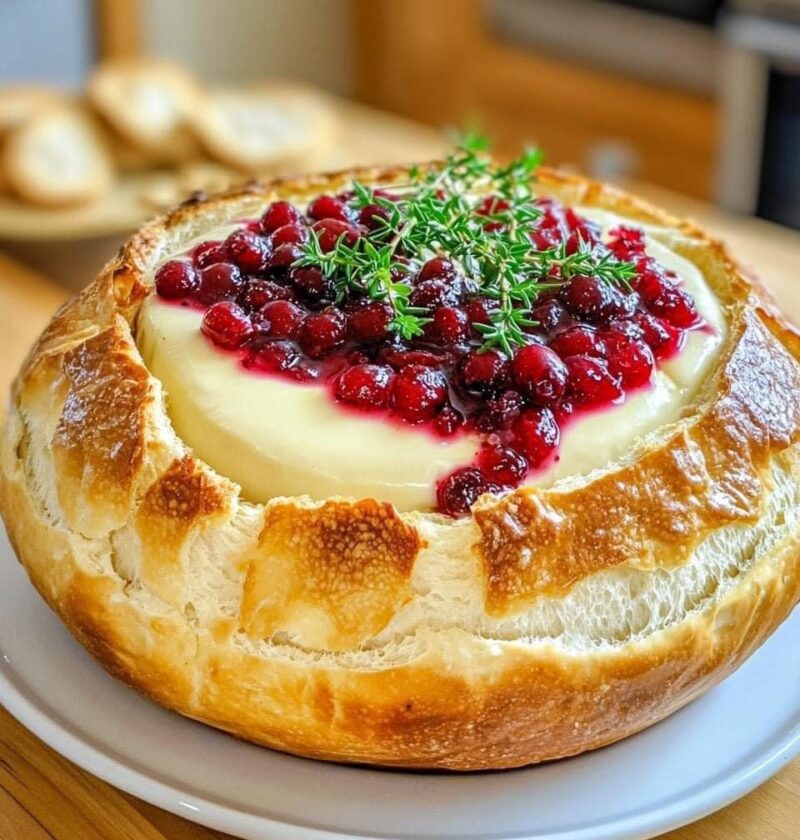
(585, 341)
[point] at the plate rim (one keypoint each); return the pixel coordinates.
(59, 736)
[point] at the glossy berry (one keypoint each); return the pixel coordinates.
(666, 299)
(450, 325)
(293, 234)
(248, 251)
(274, 357)
(329, 207)
(419, 392)
(437, 268)
(258, 292)
(374, 217)
(208, 253)
(539, 374)
(365, 385)
(227, 325)
(502, 464)
(311, 284)
(550, 315)
(220, 281)
(479, 310)
(536, 435)
(592, 299)
(322, 332)
(448, 421)
(578, 341)
(545, 239)
(330, 231)
(589, 381)
(283, 258)
(460, 490)
(370, 321)
(483, 373)
(663, 339)
(430, 294)
(399, 358)
(281, 319)
(629, 359)
(500, 412)
(176, 279)
(278, 214)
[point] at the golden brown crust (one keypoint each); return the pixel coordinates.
(348, 631)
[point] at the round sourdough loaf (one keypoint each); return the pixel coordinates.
(548, 622)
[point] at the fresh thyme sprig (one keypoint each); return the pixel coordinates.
(437, 212)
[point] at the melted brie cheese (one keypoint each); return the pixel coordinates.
(278, 438)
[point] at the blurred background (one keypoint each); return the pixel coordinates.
(695, 97)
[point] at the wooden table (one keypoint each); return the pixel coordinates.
(45, 796)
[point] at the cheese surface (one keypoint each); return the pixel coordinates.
(278, 438)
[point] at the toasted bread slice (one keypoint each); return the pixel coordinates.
(58, 157)
(266, 129)
(146, 104)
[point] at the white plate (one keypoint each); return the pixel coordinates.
(707, 755)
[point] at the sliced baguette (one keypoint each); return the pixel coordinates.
(58, 158)
(146, 104)
(263, 130)
(22, 102)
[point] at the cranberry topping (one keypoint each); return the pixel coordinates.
(367, 386)
(281, 319)
(539, 374)
(278, 214)
(590, 339)
(220, 281)
(589, 382)
(418, 392)
(227, 324)
(323, 331)
(176, 279)
(248, 251)
(457, 493)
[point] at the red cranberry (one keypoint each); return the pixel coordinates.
(278, 214)
(500, 412)
(419, 392)
(208, 253)
(539, 374)
(629, 359)
(312, 285)
(368, 386)
(662, 338)
(578, 341)
(330, 231)
(176, 279)
(295, 234)
(437, 268)
(448, 421)
(626, 242)
(550, 315)
(370, 322)
(536, 435)
(258, 292)
(457, 493)
(667, 300)
(227, 324)
(374, 217)
(502, 464)
(323, 331)
(275, 356)
(479, 310)
(399, 359)
(545, 239)
(432, 293)
(283, 258)
(247, 250)
(220, 281)
(482, 373)
(589, 381)
(592, 299)
(450, 325)
(329, 207)
(282, 319)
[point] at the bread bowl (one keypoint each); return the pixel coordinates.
(547, 619)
